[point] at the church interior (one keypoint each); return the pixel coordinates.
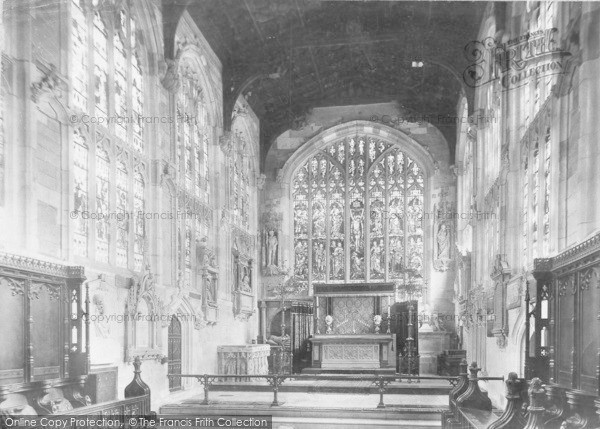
(330, 214)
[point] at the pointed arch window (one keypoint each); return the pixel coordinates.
(193, 143)
(358, 213)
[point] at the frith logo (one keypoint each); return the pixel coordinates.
(532, 55)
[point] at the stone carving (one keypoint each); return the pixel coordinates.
(144, 288)
(443, 227)
(260, 181)
(170, 79)
(50, 83)
(101, 323)
(226, 142)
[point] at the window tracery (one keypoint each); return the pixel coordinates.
(358, 212)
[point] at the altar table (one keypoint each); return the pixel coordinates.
(367, 351)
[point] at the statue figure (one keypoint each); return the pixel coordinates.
(101, 322)
(245, 286)
(272, 244)
(443, 242)
(210, 289)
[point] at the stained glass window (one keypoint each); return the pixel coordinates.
(79, 56)
(239, 184)
(139, 207)
(547, 179)
(122, 211)
(80, 196)
(100, 64)
(537, 181)
(102, 204)
(113, 62)
(193, 135)
(120, 93)
(535, 197)
(358, 208)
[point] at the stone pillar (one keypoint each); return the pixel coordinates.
(263, 322)
(431, 343)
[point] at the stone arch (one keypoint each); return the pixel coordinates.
(185, 313)
(347, 129)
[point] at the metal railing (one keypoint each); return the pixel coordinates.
(276, 380)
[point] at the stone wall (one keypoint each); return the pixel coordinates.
(567, 102)
(36, 187)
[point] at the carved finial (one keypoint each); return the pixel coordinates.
(536, 410)
(473, 370)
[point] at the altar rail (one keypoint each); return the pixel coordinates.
(276, 380)
(44, 402)
(530, 404)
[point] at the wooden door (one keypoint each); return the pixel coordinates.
(174, 354)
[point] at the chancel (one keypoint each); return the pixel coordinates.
(373, 213)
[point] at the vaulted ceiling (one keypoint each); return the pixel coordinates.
(288, 56)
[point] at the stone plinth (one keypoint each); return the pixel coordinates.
(243, 359)
(431, 343)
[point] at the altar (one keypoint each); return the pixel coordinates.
(366, 351)
(352, 328)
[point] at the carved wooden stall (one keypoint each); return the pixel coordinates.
(566, 340)
(43, 329)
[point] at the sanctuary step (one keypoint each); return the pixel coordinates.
(322, 410)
